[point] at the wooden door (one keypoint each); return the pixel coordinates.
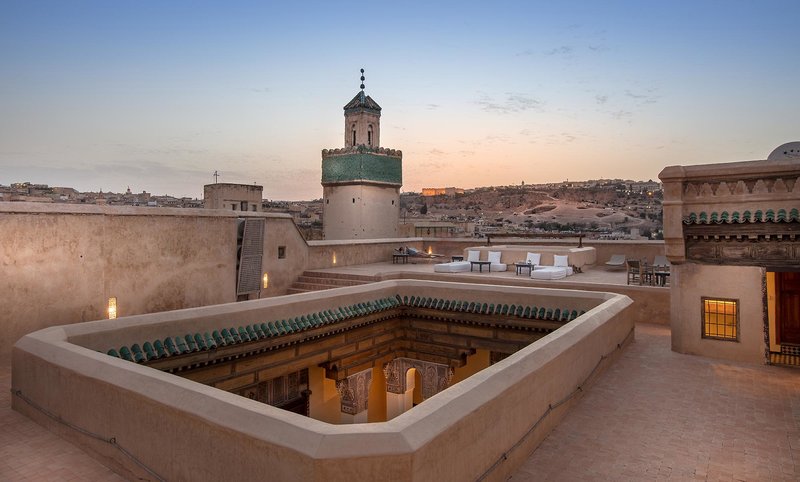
(787, 287)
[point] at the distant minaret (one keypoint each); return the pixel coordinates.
(361, 182)
(362, 120)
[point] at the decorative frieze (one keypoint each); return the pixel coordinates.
(354, 392)
(695, 190)
(435, 376)
(765, 253)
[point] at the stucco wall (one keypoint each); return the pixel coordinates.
(64, 262)
(690, 282)
(374, 214)
(321, 254)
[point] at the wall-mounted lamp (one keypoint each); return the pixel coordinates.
(334, 258)
(265, 281)
(430, 249)
(112, 308)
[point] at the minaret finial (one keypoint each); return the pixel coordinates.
(362, 79)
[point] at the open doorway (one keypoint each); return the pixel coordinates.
(787, 311)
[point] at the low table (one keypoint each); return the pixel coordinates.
(397, 258)
(480, 264)
(521, 266)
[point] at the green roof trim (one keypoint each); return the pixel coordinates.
(362, 167)
(759, 216)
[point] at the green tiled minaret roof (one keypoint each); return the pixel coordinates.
(362, 101)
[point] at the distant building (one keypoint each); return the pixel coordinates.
(441, 191)
(361, 182)
(236, 197)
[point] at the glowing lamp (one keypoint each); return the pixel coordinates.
(265, 281)
(112, 308)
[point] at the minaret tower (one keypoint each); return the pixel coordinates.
(361, 182)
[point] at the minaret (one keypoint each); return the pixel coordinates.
(361, 182)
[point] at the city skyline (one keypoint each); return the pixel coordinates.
(159, 96)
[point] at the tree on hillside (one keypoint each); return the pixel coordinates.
(423, 209)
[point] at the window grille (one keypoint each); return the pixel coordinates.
(721, 319)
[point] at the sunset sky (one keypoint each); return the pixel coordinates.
(157, 95)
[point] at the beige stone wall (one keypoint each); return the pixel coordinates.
(231, 196)
(329, 254)
(360, 211)
(691, 282)
(61, 263)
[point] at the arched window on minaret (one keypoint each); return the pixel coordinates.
(353, 129)
(369, 135)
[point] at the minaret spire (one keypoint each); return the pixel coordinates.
(362, 80)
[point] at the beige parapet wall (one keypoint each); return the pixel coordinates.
(485, 425)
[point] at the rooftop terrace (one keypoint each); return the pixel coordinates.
(654, 414)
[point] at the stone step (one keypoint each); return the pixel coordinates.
(330, 281)
(314, 286)
(325, 274)
(292, 291)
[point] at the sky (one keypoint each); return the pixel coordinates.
(158, 95)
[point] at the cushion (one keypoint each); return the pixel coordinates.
(494, 257)
(548, 272)
(560, 261)
(534, 259)
(454, 267)
(473, 255)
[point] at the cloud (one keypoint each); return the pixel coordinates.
(622, 115)
(598, 48)
(525, 53)
(647, 97)
(261, 90)
(601, 99)
(436, 152)
(563, 50)
(514, 102)
(432, 106)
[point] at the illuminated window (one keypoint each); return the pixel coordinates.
(721, 319)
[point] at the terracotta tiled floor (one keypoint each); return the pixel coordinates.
(28, 452)
(658, 415)
(653, 415)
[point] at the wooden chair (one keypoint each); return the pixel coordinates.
(634, 271)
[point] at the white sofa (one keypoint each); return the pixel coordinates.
(454, 267)
(548, 272)
(560, 269)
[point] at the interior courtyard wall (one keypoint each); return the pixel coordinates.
(693, 281)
